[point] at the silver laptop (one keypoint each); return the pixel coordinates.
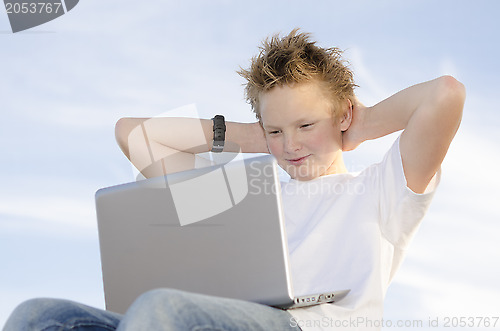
(217, 231)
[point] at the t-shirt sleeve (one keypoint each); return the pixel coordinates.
(401, 209)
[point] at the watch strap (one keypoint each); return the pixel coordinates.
(219, 130)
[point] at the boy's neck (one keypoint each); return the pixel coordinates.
(338, 166)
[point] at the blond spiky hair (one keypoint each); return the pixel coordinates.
(295, 59)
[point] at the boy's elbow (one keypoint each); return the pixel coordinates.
(451, 88)
(119, 127)
(452, 95)
(122, 131)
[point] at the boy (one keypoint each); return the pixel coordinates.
(303, 97)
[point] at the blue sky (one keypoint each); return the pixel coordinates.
(64, 84)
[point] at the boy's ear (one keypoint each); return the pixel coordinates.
(346, 119)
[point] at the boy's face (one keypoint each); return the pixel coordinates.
(301, 132)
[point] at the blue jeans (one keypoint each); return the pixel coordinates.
(162, 309)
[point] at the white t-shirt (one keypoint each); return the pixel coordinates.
(350, 231)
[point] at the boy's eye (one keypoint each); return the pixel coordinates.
(308, 125)
(274, 132)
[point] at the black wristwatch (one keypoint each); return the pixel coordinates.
(219, 133)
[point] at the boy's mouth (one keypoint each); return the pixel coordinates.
(299, 160)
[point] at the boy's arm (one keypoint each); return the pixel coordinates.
(162, 145)
(430, 114)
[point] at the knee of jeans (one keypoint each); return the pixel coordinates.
(30, 312)
(34, 307)
(163, 297)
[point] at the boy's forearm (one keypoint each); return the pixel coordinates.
(157, 146)
(190, 134)
(394, 113)
(244, 137)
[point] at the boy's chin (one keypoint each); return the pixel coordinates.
(302, 175)
(305, 178)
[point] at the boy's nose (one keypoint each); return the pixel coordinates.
(291, 143)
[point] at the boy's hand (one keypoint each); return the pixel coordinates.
(353, 136)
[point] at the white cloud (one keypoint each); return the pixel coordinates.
(47, 214)
(442, 295)
(78, 117)
(372, 89)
